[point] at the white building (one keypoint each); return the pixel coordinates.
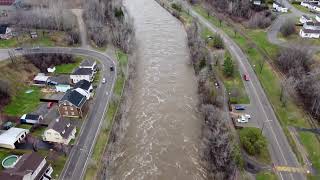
(90, 64)
(11, 136)
(82, 74)
(279, 7)
(40, 79)
(59, 131)
(51, 69)
(30, 166)
(85, 88)
(31, 118)
(309, 33)
(303, 19)
(5, 32)
(312, 25)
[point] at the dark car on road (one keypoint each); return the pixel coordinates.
(246, 77)
(111, 68)
(238, 107)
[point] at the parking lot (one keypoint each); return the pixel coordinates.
(249, 109)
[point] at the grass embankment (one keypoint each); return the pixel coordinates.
(266, 176)
(289, 115)
(56, 38)
(301, 8)
(296, 39)
(68, 68)
(102, 139)
(233, 83)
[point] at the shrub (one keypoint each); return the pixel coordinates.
(218, 42)
(228, 66)
(288, 28)
(176, 6)
(252, 140)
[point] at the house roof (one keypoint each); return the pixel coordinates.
(3, 28)
(74, 98)
(27, 163)
(62, 126)
(10, 136)
(6, 2)
(311, 31)
(87, 63)
(306, 17)
(83, 84)
(82, 71)
(41, 77)
(60, 79)
(30, 116)
(275, 2)
(311, 23)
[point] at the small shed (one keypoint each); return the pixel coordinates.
(31, 118)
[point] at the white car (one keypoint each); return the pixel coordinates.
(248, 116)
(242, 119)
(104, 80)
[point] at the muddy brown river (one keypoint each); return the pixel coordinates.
(161, 141)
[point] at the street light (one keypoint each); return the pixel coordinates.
(264, 123)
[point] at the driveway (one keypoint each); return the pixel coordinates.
(279, 147)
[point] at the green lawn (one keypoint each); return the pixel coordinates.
(301, 8)
(266, 176)
(23, 102)
(102, 140)
(289, 115)
(309, 141)
(68, 68)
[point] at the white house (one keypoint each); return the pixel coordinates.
(303, 19)
(40, 79)
(31, 118)
(82, 74)
(11, 136)
(318, 17)
(5, 32)
(90, 64)
(279, 7)
(306, 4)
(31, 166)
(85, 88)
(59, 131)
(312, 25)
(309, 33)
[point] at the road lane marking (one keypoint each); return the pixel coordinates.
(291, 169)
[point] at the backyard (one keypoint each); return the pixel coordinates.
(68, 68)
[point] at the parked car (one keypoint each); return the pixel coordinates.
(246, 77)
(238, 107)
(18, 48)
(104, 80)
(242, 119)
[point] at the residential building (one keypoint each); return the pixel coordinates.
(31, 166)
(303, 19)
(61, 82)
(33, 35)
(90, 64)
(60, 131)
(62, 88)
(85, 88)
(309, 33)
(31, 118)
(312, 25)
(51, 69)
(5, 32)
(40, 79)
(10, 137)
(279, 7)
(72, 104)
(6, 2)
(82, 74)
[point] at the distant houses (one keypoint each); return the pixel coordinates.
(86, 71)
(303, 19)
(31, 166)
(312, 5)
(60, 131)
(10, 137)
(310, 30)
(279, 7)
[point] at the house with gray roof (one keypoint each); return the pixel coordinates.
(72, 104)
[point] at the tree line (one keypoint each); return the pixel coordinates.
(107, 23)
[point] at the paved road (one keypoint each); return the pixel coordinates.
(77, 162)
(279, 147)
(274, 29)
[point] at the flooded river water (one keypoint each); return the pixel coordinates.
(162, 138)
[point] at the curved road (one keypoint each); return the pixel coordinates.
(76, 164)
(279, 147)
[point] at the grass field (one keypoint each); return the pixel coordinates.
(296, 39)
(102, 140)
(289, 115)
(68, 68)
(23, 102)
(266, 176)
(301, 8)
(56, 38)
